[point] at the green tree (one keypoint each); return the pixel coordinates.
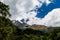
(6, 26)
(4, 9)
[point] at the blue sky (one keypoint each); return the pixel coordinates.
(47, 8)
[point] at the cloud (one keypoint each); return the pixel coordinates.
(48, 2)
(21, 8)
(53, 18)
(24, 9)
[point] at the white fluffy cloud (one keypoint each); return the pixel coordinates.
(53, 18)
(21, 9)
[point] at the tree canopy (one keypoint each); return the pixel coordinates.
(6, 25)
(4, 10)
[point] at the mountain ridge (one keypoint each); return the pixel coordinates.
(24, 26)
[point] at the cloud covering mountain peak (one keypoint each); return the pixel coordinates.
(26, 9)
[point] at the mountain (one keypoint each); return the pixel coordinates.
(23, 25)
(19, 24)
(44, 28)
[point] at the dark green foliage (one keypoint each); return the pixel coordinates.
(30, 34)
(6, 26)
(4, 9)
